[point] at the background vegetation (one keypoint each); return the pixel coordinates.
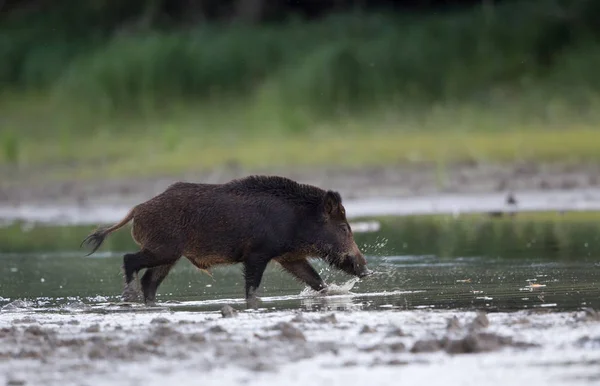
(107, 86)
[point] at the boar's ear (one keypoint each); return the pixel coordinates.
(332, 201)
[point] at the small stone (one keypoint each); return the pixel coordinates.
(397, 347)
(475, 343)
(197, 338)
(228, 312)
(328, 319)
(73, 322)
(426, 346)
(162, 331)
(290, 332)
(93, 328)
(262, 367)
(395, 331)
(160, 320)
(14, 381)
(397, 362)
(217, 330)
(367, 330)
(299, 318)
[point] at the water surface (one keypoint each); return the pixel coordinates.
(400, 282)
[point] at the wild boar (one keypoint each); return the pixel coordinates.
(251, 221)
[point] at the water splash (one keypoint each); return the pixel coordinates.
(375, 248)
(332, 289)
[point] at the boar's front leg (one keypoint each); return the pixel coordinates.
(303, 271)
(254, 267)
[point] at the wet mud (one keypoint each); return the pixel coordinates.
(77, 348)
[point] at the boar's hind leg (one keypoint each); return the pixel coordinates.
(254, 267)
(302, 270)
(152, 279)
(134, 262)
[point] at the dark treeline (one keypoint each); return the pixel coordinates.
(107, 13)
(230, 10)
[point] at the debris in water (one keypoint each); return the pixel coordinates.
(228, 312)
(536, 285)
(463, 281)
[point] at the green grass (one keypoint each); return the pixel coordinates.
(517, 83)
(206, 138)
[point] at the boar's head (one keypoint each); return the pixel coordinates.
(333, 240)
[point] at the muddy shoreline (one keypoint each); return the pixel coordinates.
(262, 347)
(352, 183)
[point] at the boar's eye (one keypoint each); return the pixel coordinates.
(345, 228)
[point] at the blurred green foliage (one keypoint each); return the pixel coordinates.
(328, 66)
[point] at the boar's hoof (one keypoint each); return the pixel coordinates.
(130, 294)
(150, 303)
(252, 302)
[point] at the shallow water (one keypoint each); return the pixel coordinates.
(399, 282)
(537, 280)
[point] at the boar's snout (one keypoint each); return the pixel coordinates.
(356, 265)
(360, 266)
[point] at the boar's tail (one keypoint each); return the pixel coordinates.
(96, 238)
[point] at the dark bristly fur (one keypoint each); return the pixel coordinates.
(252, 221)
